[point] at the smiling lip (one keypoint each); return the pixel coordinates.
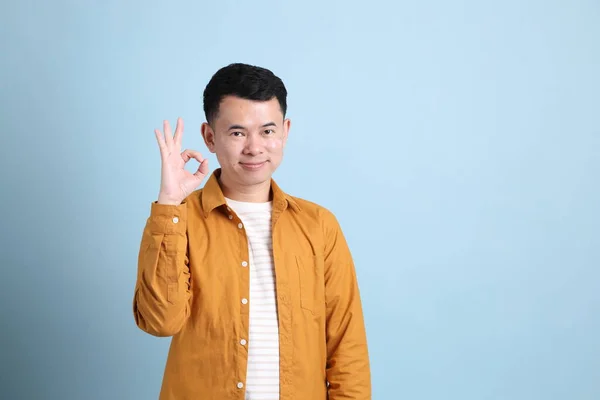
(253, 166)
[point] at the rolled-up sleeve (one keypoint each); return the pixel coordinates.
(161, 303)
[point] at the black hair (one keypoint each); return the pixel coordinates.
(244, 81)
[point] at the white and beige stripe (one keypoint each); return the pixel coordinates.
(262, 382)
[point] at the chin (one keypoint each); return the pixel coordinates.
(254, 177)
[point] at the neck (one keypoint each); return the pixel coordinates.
(258, 193)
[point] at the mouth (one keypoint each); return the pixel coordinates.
(253, 165)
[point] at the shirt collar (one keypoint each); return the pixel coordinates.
(212, 196)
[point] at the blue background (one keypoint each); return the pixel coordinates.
(458, 143)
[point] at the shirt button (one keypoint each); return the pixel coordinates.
(175, 220)
(244, 301)
(240, 226)
(240, 385)
(244, 264)
(230, 216)
(243, 342)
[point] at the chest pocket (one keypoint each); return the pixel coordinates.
(312, 282)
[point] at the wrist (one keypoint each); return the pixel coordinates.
(167, 201)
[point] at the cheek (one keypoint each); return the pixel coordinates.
(275, 144)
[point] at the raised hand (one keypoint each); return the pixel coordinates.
(176, 183)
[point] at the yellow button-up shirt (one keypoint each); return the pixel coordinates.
(193, 284)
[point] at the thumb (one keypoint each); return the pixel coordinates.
(202, 169)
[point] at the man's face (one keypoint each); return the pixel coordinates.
(248, 139)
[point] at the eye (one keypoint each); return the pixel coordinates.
(269, 131)
(237, 133)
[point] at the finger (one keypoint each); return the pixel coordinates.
(188, 154)
(168, 133)
(161, 141)
(179, 131)
(202, 169)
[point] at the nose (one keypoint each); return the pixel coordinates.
(254, 145)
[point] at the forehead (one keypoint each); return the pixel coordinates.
(235, 110)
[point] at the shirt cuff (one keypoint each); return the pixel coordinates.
(167, 219)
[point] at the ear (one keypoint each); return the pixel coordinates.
(287, 123)
(209, 136)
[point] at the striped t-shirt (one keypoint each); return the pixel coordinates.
(262, 380)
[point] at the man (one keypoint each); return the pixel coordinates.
(257, 287)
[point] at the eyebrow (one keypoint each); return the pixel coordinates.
(241, 127)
